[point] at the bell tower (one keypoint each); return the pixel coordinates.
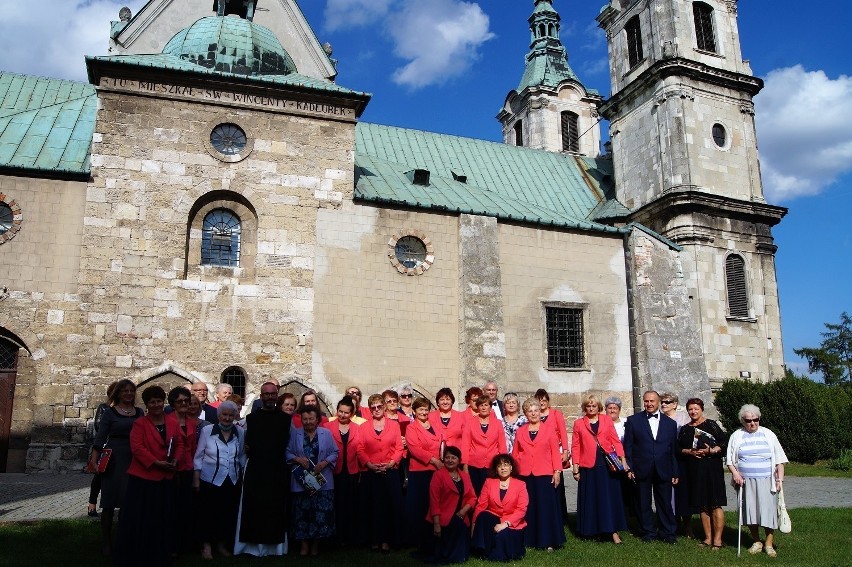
(551, 109)
(686, 164)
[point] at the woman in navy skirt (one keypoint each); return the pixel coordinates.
(451, 498)
(424, 452)
(498, 520)
(599, 505)
(536, 451)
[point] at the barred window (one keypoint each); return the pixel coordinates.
(634, 41)
(570, 132)
(235, 376)
(737, 289)
(705, 38)
(565, 344)
(8, 355)
(220, 239)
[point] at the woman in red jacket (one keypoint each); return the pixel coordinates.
(424, 458)
(183, 502)
(451, 498)
(347, 472)
(382, 489)
(144, 534)
(554, 418)
(498, 520)
(482, 438)
(446, 420)
(599, 505)
(536, 451)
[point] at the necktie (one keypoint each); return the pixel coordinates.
(653, 416)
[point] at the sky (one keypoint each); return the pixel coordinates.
(447, 66)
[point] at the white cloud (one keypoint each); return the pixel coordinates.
(354, 13)
(50, 37)
(440, 38)
(804, 127)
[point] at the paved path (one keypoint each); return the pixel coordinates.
(50, 496)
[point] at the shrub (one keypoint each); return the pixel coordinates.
(843, 462)
(809, 418)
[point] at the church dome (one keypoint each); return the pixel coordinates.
(231, 45)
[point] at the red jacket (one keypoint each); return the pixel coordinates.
(147, 446)
(556, 420)
(479, 448)
(353, 447)
(539, 457)
(422, 446)
(383, 447)
(452, 432)
(513, 507)
(189, 440)
(583, 446)
(297, 421)
(444, 497)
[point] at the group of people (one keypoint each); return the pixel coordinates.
(486, 480)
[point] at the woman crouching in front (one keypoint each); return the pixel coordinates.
(498, 520)
(451, 498)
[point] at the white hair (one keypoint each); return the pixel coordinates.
(749, 408)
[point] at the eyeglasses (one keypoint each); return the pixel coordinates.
(406, 396)
(374, 408)
(391, 402)
(755, 420)
(353, 393)
(200, 390)
(667, 402)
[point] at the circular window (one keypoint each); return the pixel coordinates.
(412, 253)
(720, 136)
(6, 218)
(228, 139)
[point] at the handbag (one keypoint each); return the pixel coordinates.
(785, 526)
(611, 458)
(104, 458)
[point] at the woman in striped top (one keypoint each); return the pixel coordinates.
(756, 460)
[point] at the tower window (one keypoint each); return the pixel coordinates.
(519, 133)
(634, 41)
(220, 239)
(720, 136)
(735, 278)
(704, 35)
(570, 132)
(565, 344)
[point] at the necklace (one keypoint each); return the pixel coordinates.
(455, 476)
(125, 411)
(504, 484)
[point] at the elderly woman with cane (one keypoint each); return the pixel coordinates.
(756, 461)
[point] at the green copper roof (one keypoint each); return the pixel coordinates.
(232, 45)
(46, 124)
(507, 182)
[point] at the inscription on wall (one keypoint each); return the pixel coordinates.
(229, 96)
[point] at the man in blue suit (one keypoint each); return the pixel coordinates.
(650, 445)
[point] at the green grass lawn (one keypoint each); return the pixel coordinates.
(819, 537)
(820, 468)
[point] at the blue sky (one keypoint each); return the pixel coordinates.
(447, 66)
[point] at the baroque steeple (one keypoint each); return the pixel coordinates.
(547, 60)
(550, 109)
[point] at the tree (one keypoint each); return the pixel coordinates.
(833, 358)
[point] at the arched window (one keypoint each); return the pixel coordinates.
(235, 376)
(735, 277)
(704, 35)
(8, 375)
(570, 132)
(220, 239)
(634, 41)
(519, 133)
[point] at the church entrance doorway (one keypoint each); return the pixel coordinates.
(8, 375)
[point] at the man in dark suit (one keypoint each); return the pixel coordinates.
(650, 445)
(209, 413)
(490, 390)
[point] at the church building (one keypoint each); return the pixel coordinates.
(209, 207)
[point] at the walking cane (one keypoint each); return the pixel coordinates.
(740, 519)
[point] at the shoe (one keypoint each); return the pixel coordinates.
(704, 544)
(770, 551)
(715, 547)
(756, 548)
(648, 538)
(670, 540)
